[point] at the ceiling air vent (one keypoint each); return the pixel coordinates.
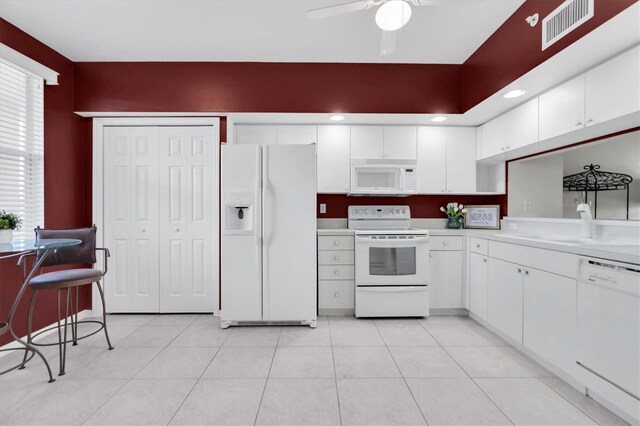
(566, 18)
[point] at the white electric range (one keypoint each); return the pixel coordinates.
(391, 262)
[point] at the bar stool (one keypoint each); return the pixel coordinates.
(4, 328)
(85, 253)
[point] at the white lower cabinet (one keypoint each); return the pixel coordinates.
(445, 271)
(505, 293)
(550, 317)
(478, 283)
(336, 284)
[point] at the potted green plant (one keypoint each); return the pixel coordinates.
(455, 214)
(9, 222)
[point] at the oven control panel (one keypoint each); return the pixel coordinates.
(379, 212)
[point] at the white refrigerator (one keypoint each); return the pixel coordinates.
(268, 253)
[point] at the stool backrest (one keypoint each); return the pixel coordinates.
(85, 252)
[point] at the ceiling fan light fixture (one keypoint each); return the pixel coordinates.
(439, 118)
(393, 15)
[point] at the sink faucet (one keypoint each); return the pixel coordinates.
(587, 220)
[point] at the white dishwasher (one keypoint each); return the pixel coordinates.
(608, 328)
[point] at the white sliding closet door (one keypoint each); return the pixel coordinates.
(161, 218)
(188, 219)
(131, 218)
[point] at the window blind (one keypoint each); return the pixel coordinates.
(22, 147)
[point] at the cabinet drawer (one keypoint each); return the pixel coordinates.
(335, 272)
(478, 245)
(445, 243)
(329, 242)
(335, 257)
(335, 294)
(552, 261)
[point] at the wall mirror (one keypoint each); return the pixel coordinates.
(604, 173)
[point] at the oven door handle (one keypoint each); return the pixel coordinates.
(395, 241)
(403, 289)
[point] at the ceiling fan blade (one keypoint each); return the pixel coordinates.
(388, 42)
(339, 9)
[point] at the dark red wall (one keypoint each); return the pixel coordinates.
(65, 167)
(515, 48)
(267, 87)
(422, 206)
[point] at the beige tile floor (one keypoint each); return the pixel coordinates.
(184, 369)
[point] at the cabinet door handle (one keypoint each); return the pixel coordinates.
(484, 260)
(143, 230)
(578, 123)
(526, 272)
(336, 294)
(177, 229)
(519, 270)
(477, 245)
(336, 272)
(502, 148)
(335, 243)
(336, 257)
(430, 254)
(449, 190)
(444, 243)
(443, 190)
(589, 120)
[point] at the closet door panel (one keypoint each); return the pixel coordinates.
(130, 218)
(188, 220)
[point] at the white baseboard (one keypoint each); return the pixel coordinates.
(87, 313)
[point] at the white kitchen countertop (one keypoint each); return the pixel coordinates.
(619, 253)
(335, 231)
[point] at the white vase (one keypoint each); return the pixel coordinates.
(6, 236)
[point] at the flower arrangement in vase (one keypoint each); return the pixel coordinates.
(455, 214)
(9, 222)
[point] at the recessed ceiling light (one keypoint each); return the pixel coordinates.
(439, 118)
(514, 93)
(393, 15)
(336, 117)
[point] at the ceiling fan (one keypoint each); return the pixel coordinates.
(391, 16)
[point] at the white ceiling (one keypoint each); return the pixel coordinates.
(250, 30)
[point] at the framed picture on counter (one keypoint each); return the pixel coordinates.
(482, 217)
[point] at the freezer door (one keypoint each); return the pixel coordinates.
(289, 221)
(241, 255)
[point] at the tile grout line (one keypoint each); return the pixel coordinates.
(478, 386)
(402, 375)
(264, 389)
(335, 373)
(198, 379)
(578, 408)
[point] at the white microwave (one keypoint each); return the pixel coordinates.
(383, 177)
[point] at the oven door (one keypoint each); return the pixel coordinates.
(392, 260)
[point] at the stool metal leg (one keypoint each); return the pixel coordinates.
(74, 325)
(104, 315)
(32, 303)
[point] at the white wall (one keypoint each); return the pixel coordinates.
(620, 154)
(537, 181)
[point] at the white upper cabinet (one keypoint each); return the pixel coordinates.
(613, 88)
(432, 160)
(461, 160)
(383, 142)
(446, 160)
(296, 135)
(399, 142)
(251, 134)
(333, 159)
(562, 109)
(517, 128)
(367, 142)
